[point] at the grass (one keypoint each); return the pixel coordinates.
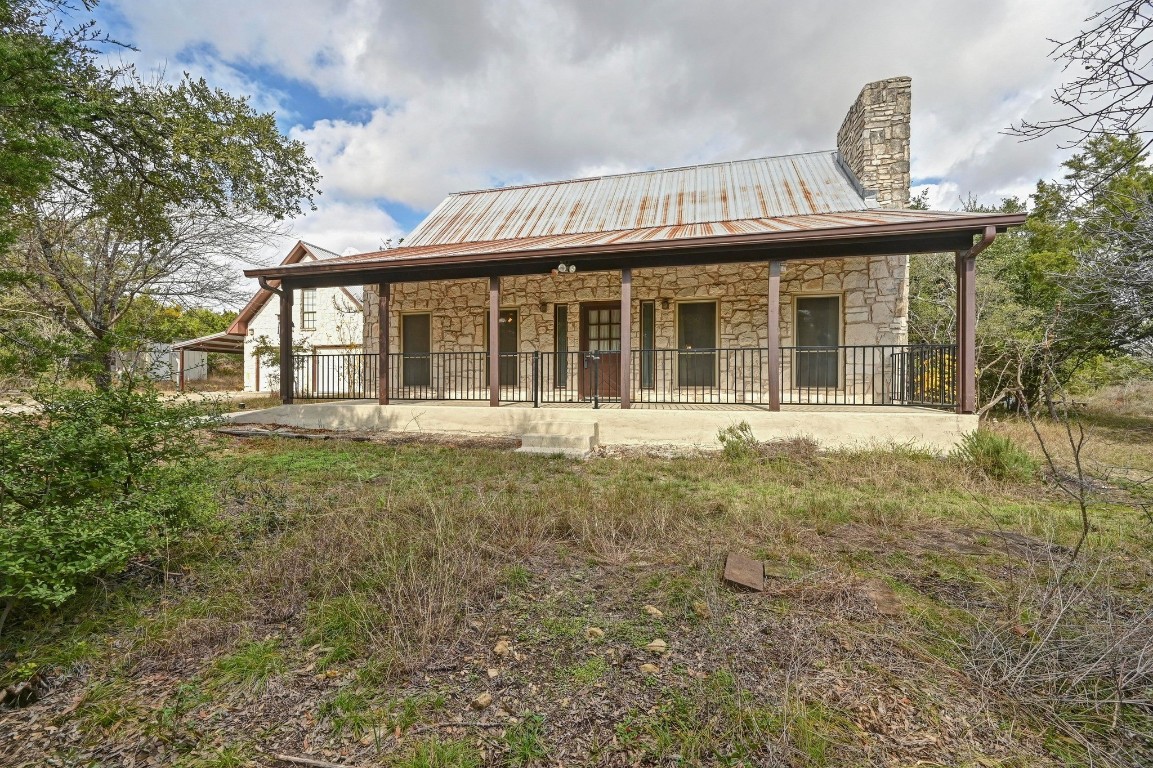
(349, 600)
(250, 666)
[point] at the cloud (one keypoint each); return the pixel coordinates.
(461, 95)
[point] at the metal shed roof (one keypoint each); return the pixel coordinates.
(808, 184)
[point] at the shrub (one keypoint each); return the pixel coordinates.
(89, 480)
(738, 442)
(997, 456)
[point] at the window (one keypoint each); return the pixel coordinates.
(308, 309)
(560, 344)
(648, 342)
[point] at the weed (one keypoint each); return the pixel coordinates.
(348, 711)
(738, 442)
(587, 672)
(525, 741)
(997, 456)
(435, 753)
(342, 624)
(517, 577)
(250, 666)
(413, 710)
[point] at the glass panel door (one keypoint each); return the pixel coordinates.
(697, 341)
(818, 335)
(415, 348)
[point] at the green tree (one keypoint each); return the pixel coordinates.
(138, 187)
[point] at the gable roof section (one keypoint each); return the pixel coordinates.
(301, 252)
(808, 184)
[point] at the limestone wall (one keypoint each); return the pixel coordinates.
(871, 291)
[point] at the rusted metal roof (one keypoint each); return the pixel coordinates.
(660, 202)
(878, 231)
(779, 224)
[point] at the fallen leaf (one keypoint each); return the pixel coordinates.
(657, 646)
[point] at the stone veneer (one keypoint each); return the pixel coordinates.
(873, 306)
(873, 141)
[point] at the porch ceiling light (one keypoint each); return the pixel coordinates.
(562, 268)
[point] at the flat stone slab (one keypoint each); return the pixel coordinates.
(744, 572)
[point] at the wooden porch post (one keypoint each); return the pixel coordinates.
(286, 370)
(181, 364)
(494, 341)
(626, 337)
(774, 334)
(966, 265)
(382, 344)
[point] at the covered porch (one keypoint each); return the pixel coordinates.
(613, 353)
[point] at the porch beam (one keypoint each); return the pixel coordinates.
(966, 266)
(494, 341)
(626, 337)
(286, 368)
(383, 291)
(774, 335)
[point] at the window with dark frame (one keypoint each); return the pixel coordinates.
(308, 309)
(560, 344)
(648, 342)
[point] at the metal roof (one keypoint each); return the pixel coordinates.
(780, 224)
(769, 188)
(215, 342)
(318, 252)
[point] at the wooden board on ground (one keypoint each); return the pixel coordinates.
(744, 572)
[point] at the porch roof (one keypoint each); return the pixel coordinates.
(872, 232)
(215, 342)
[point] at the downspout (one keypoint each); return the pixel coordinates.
(263, 281)
(986, 240)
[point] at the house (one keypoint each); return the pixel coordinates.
(328, 325)
(779, 283)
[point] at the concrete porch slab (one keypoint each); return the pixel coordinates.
(830, 426)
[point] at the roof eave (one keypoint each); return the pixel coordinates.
(766, 241)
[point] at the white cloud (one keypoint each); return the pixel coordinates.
(468, 94)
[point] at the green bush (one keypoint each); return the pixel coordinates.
(738, 442)
(89, 480)
(997, 456)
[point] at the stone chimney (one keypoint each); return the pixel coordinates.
(874, 139)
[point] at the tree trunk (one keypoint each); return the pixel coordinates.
(104, 359)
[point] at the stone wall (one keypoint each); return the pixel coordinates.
(872, 308)
(873, 141)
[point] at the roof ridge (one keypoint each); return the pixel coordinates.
(637, 173)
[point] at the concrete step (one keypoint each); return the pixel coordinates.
(571, 438)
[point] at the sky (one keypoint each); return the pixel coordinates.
(401, 103)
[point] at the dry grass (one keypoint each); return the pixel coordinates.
(1133, 399)
(356, 597)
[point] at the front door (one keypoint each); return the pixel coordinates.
(818, 334)
(600, 337)
(415, 350)
(696, 344)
